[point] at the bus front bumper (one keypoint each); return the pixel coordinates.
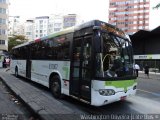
(100, 100)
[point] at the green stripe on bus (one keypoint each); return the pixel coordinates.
(69, 30)
(66, 71)
(121, 83)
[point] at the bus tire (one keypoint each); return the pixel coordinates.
(55, 86)
(16, 72)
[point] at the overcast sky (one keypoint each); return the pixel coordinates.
(86, 9)
(154, 14)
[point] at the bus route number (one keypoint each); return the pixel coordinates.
(53, 66)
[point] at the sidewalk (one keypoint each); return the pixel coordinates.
(43, 105)
(152, 75)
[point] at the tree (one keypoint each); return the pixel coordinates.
(15, 40)
(157, 6)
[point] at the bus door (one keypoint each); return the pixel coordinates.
(28, 64)
(81, 68)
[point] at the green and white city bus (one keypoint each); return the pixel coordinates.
(92, 62)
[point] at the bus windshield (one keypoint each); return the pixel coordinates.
(115, 58)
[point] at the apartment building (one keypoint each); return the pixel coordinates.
(129, 15)
(3, 24)
(55, 23)
(29, 29)
(69, 20)
(41, 26)
(45, 25)
(14, 26)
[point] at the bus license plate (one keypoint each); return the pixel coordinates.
(123, 97)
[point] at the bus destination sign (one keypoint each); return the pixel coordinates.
(112, 30)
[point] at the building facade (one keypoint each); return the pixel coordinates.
(14, 26)
(41, 26)
(3, 25)
(146, 48)
(29, 29)
(44, 25)
(69, 20)
(129, 15)
(55, 23)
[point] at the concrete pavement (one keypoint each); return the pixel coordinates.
(152, 75)
(45, 106)
(10, 107)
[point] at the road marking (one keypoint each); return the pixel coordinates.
(156, 94)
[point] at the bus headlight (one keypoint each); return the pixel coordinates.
(106, 92)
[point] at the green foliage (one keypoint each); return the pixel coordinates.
(15, 40)
(157, 6)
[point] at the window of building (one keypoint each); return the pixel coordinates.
(135, 28)
(146, 10)
(28, 33)
(3, 10)
(2, 21)
(41, 22)
(147, 5)
(45, 26)
(146, 21)
(41, 35)
(2, 1)
(40, 31)
(41, 27)
(135, 22)
(147, 16)
(135, 6)
(113, 23)
(2, 42)
(146, 27)
(57, 29)
(135, 17)
(2, 31)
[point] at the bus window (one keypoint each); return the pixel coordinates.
(86, 64)
(115, 60)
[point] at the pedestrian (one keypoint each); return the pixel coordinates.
(4, 62)
(7, 61)
(137, 69)
(146, 70)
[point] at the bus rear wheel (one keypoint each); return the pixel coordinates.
(55, 86)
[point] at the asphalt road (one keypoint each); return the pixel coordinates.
(149, 87)
(146, 101)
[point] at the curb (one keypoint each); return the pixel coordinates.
(36, 115)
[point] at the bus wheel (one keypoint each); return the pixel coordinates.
(55, 86)
(16, 72)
